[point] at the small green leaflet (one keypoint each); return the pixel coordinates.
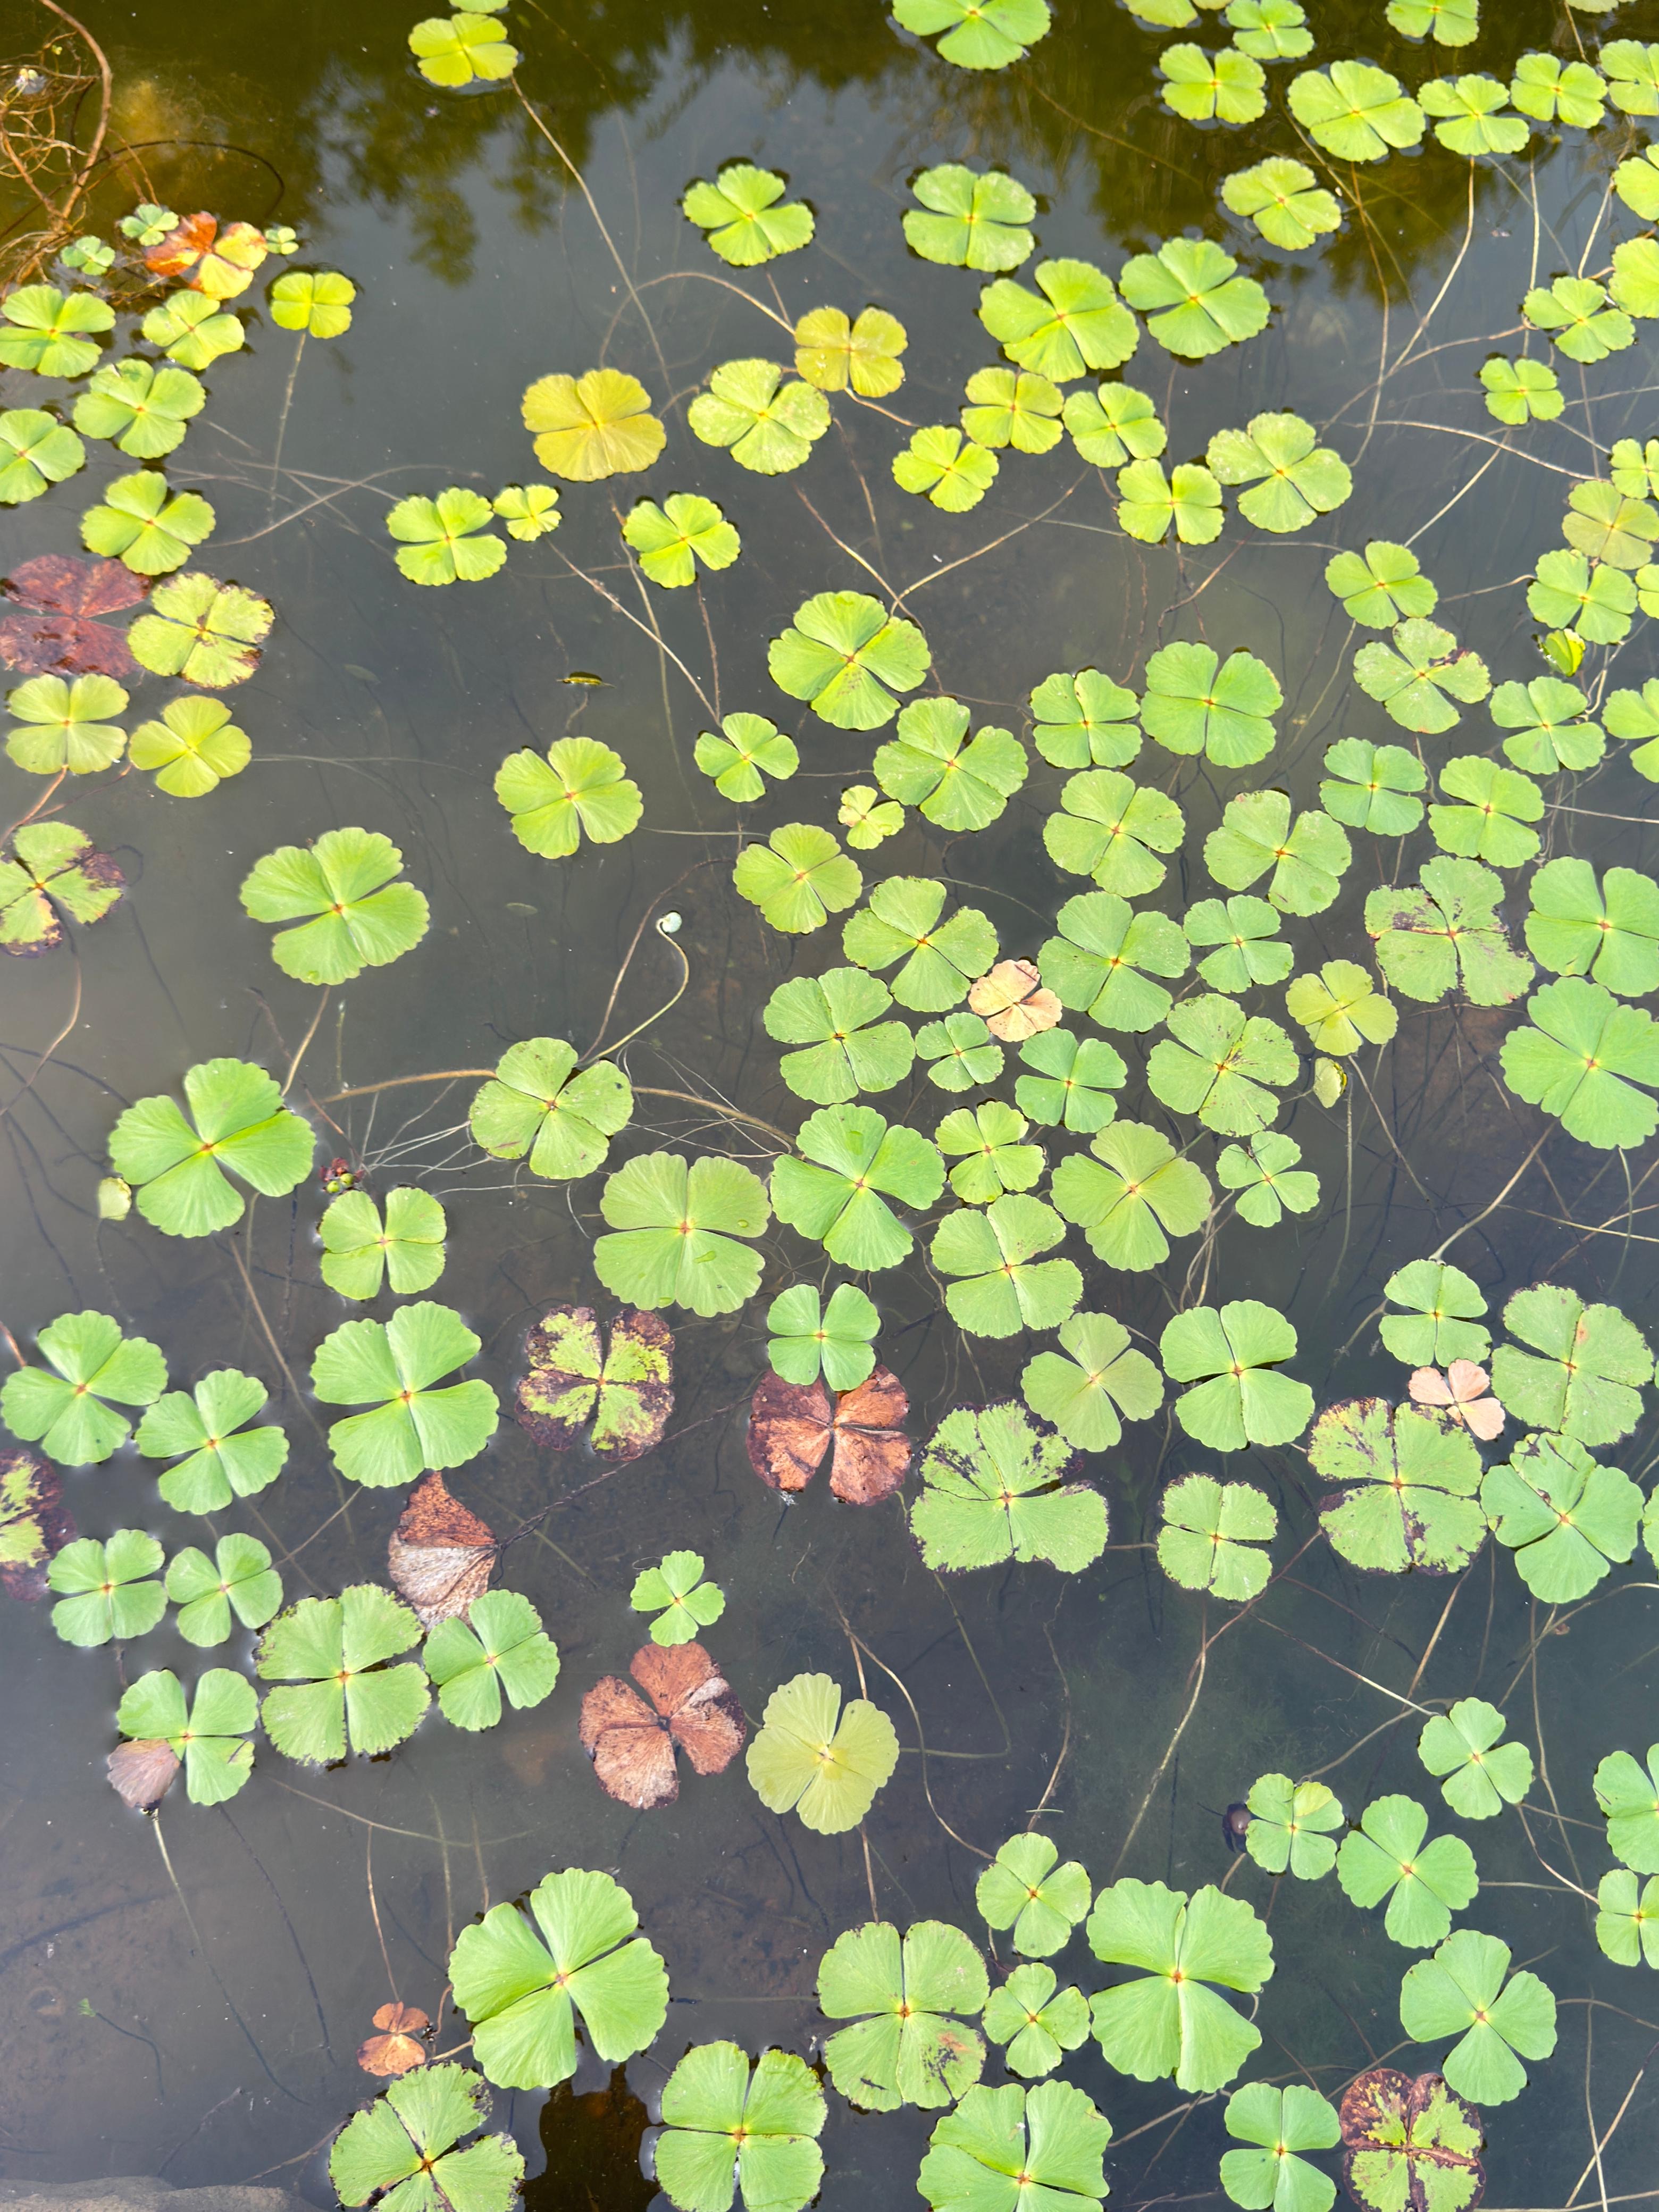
(1292, 1826)
(670, 539)
(1209, 1534)
(676, 1233)
(46, 330)
(64, 725)
(1149, 501)
(193, 748)
(1445, 933)
(68, 1407)
(1576, 312)
(1462, 1988)
(1010, 408)
(1116, 424)
(1103, 959)
(194, 330)
(1521, 391)
(1597, 603)
(1470, 105)
(51, 866)
(1038, 2021)
(1231, 1357)
(1628, 1918)
(530, 511)
(740, 216)
(767, 425)
(995, 1490)
(838, 355)
(1085, 720)
(461, 50)
(676, 1591)
(1075, 1079)
(907, 2001)
(1026, 1889)
(500, 1649)
(986, 1142)
(836, 1193)
(1245, 932)
(392, 1367)
(538, 1108)
(405, 2144)
(210, 1733)
(238, 1579)
(237, 1121)
(1282, 2122)
(727, 2131)
(224, 1458)
(105, 1591)
(947, 466)
(836, 1339)
(340, 889)
(1268, 1182)
(940, 960)
(336, 1693)
(1593, 1365)
(206, 632)
(445, 539)
(315, 303)
(1481, 1775)
(848, 658)
(1292, 478)
(1549, 721)
(36, 450)
(361, 1251)
(821, 1759)
(1272, 30)
(1284, 199)
(1342, 1008)
(1581, 1056)
(1171, 2022)
(1094, 1383)
(1425, 1884)
(1633, 716)
(1001, 1285)
(1411, 1480)
(1443, 1321)
(970, 221)
(1609, 930)
(1008, 2147)
(1221, 87)
(799, 877)
(1628, 1795)
(1131, 1194)
(1450, 23)
(747, 745)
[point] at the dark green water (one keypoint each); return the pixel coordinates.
(221, 2047)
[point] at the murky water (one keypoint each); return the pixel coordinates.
(193, 2010)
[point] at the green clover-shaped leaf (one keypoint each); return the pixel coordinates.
(1463, 1988)
(825, 1762)
(1008, 2147)
(799, 877)
(1608, 930)
(405, 2144)
(1149, 501)
(239, 1579)
(1481, 1774)
(1282, 197)
(1130, 1194)
(181, 1167)
(1211, 1536)
(1382, 586)
(901, 922)
(68, 1407)
(1355, 112)
(947, 466)
(60, 727)
(1073, 322)
(979, 34)
(1170, 2020)
(105, 1591)
(1268, 1182)
(727, 2131)
(1095, 1382)
(861, 356)
(593, 426)
(578, 788)
(676, 1592)
(1443, 1320)
(362, 1249)
(1072, 1086)
(340, 889)
(1581, 1057)
(744, 218)
(48, 330)
(1386, 1855)
(670, 539)
(1445, 933)
(1293, 479)
(970, 221)
(462, 49)
(501, 1649)
(1410, 1480)
(1231, 1357)
(842, 653)
(747, 749)
(1292, 1826)
(1038, 2021)
(1113, 829)
(768, 426)
(192, 749)
(675, 1232)
(538, 1107)
(393, 1368)
(207, 1432)
(995, 1490)
(36, 450)
(1248, 949)
(844, 1044)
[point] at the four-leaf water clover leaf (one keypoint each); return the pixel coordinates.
(1445, 933)
(1340, 1008)
(142, 408)
(1293, 479)
(192, 749)
(1195, 702)
(1170, 2021)
(799, 877)
(727, 2131)
(1628, 1795)
(1024, 1888)
(837, 1192)
(1284, 199)
(1212, 1533)
(537, 1105)
(530, 511)
(676, 1233)
(1382, 586)
(1115, 424)
(1628, 1918)
(1587, 1381)
(340, 890)
(463, 49)
(68, 1408)
(1635, 180)
(139, 523)
(1450, 23)
(578, 788)
(953, 471)
(986, 1143)
(1093, 1384)
(1375, 787)
(500, 1648)
(1231, 1357)
(405, 2144)
(1308, 858)
(392, 1367)
(767, 425)
(1085, 720)
(237, 1122)
(1073, 322)
(1110, 828)
(206, 1430)
(105, 1591)
(979, 34)
(1193, 302)
(1442, 1321)
(958, 782)
(1386, 1855)
(1217, 1062)
(60, 726)
(1410, 2143)
(35, 450)
(1549, 720)
(191, 329)
(209, 1733)
(238, 1579)
(626, 1391)
(1411, 1480)
(1576, 313)
(837, 1339)
(524, 1986)
(1462, 1990)
(1001, 1285)
(1355, 112)
(842, 653)
(206, 632)
(1633, 717)
(1568, 593)
(1492, 823)
(1266, 1178)
(1604, 524)
(1566, 1519)
(1418, 675)
(1248, 948)
(1580, 1056)
(47, 329)
(822, 1760)
(740, 216)
(670, 539)
(746, 745)
(837, 353)
(336, 1693)
(1292, 1826)
(1481, 1774)
(995, 1489)
(1635, 285)
(970, 221)
(1102, 961)
(593, 426)
(1608, 930)
(941, 959)
(1521, 391)
(1272, 30)
(844, 1046)
(1149, 501)
(1220, 87)
(1010, 407)
(1469, 106)
(315, 303)
(1004, 2148)
(676, 1592)
(1282, 2122)
(1075, 1079)
(907, 2001)
(1131, 1195)
(1037, 2020)
(361, 1250)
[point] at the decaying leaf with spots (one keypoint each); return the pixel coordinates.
(55, 633)
(440, 1556)
(34, 1522)
(792, 1426)
(396, 2048)
(627, 1390)
(1410, 2145)
(633, 1745)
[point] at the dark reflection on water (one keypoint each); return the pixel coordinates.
(224, 2013)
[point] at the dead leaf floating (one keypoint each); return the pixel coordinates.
(1012, 1003)
(60, 594)
(792, 1426)
(1461, 1392)
(396, 2049)
(34, 1524)
(627, 1391)
(440, 1555)
(633, 1746)
(141, 1773)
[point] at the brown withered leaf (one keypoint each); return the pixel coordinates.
(396, 2049)
(440, 1555)
(633, 1745)
(791, 1425)
(141, 1772)
(626, 1391)
(1410, 2144)
(60, 594)
(34, 1524)
(1012, 1002)
(1463, 1392)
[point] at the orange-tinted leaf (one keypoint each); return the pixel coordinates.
(220, 263)
(1012, 1002)
(1463, 1391)
(178, 253)
(396, 2049)
(632, 1746)
(440, 1555)
(141, 1772)
(791, 1425)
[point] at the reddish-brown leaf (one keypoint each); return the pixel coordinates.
(791, 1425)
(627, 1392)
(1431, 2140)
(63, 645)
(141, 1772)
(183, 247)
(60, 594)
(34, 1524)
(66, 584)
(440, 1555)
(396, 2049)
(632, 1746)
(1012, 1002)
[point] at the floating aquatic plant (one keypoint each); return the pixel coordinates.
(823, 1761)
(907, 2000)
